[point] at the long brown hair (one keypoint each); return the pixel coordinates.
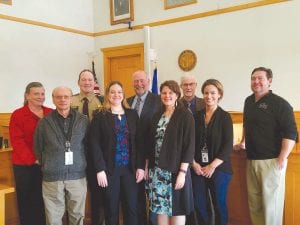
(106, 104)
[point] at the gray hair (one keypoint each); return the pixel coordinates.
(28, 87)
(187, 76)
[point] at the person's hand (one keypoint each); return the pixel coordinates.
(208, 170)
(239, 147)
(197, 169)
(139, 175)
(281, 162)
(102, 179)
(180, 180)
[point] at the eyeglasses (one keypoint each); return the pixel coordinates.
(188, 84)
(62, 97)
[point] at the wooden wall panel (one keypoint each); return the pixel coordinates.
(237, 196)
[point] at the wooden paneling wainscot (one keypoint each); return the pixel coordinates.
(237, 196)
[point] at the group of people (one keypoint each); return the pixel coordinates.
(165, 159)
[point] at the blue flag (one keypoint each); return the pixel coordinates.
(154, 88)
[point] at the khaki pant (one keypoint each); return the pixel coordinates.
(266, 187)
(57, 194)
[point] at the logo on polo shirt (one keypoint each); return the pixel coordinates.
(263, 105)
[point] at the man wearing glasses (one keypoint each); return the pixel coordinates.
(60, 148)
(188, 85)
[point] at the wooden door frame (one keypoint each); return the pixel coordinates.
(119, 51)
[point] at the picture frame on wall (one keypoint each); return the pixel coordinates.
(121, 11)
(7, 2)
(169, 4)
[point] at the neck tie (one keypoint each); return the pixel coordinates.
(85, 107)
(189, 107)
(138, 105)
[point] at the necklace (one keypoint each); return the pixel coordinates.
(118, 112)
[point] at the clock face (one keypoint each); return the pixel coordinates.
(187, 60)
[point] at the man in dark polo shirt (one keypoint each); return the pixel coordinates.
(269, 136)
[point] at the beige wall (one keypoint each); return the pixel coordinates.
(228, 46)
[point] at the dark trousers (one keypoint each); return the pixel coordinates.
(142, 208)
(97, 198)
(122, 186)
(28, 181)
(218, 187)
(142, 215)
(152, 218)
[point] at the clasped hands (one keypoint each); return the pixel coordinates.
(206, 171)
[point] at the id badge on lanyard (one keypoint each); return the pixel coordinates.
(68, 154)
(204, 154)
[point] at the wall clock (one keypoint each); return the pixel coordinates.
(187, 60)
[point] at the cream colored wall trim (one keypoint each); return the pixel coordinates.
(211, 13)
(47, 25)
(153, 24)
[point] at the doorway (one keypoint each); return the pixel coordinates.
(120, 62)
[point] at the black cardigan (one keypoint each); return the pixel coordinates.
(219, 138)
(102, 139)
(179, 141)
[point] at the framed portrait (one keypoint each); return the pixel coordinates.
(169, 4)
(121, 11)
(7, 2)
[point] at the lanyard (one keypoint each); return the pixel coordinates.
(67, 135)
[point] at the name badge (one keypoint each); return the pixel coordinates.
(68, 158)
(204, 154)
(204, 157)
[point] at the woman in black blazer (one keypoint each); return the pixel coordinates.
(214, 144)
(114, 145)
(170, 152)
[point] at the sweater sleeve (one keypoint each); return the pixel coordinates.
(94, 142)
(227, 138)
(17, 136)
(140, 148)
(188, 148)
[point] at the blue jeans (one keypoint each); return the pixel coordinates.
(218, 187)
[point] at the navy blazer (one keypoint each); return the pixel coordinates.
(179, 140)
(102, 140)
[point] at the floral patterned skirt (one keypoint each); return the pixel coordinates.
(163, 199)
(160, 191)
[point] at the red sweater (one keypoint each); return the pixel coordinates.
(21, 130)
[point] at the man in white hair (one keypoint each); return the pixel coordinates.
(60, 149)
(188, 84)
